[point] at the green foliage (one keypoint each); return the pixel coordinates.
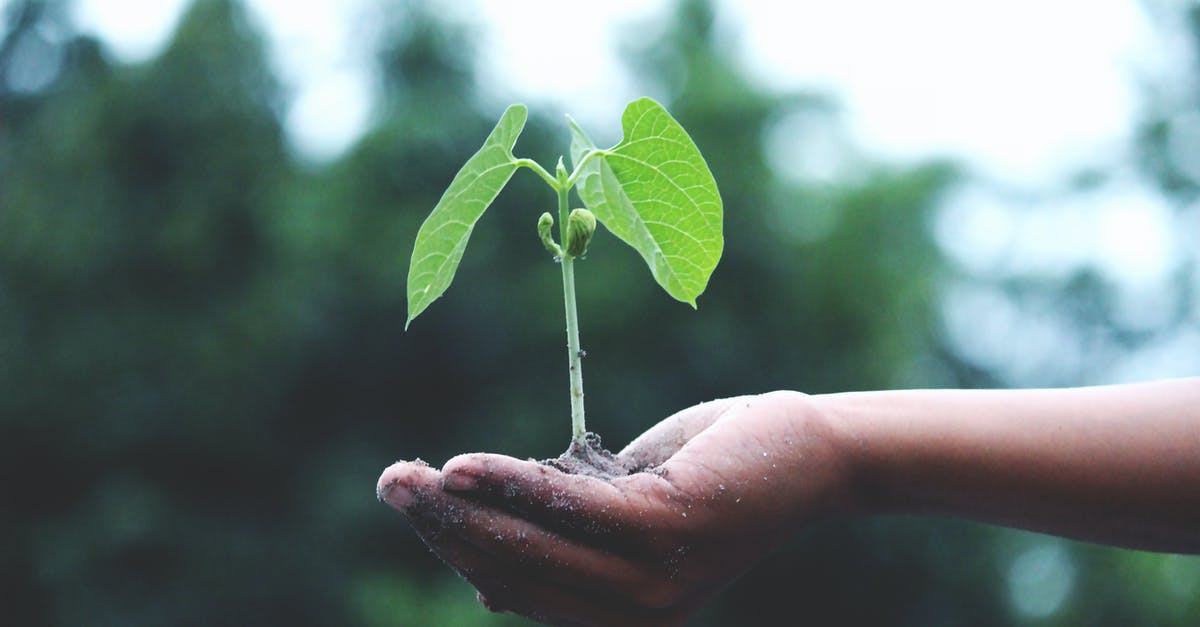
(655, 192)
(443, 237)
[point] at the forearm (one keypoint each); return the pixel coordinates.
(1117, 465)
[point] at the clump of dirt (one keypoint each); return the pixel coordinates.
(591, 459)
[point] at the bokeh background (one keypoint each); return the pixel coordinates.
(204, 240)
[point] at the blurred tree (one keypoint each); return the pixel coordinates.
(144, 331)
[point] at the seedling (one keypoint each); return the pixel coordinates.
(652, 190)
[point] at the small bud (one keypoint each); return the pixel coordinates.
(560, 171)
(544, 226)
(581, 224)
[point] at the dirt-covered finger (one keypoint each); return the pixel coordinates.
(549, 596)
(444, 517)
(647, 580)
(574, 505)
(403, 483)
(490, 575)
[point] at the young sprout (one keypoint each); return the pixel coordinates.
(653, 190)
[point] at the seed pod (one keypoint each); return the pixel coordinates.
(581, 224)
(545, 223)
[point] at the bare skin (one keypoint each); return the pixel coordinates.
(732, 478)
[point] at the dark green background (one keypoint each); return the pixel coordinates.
(203, 368)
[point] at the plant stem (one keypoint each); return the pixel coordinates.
(574, 353)
(539, 170)
(591, 154)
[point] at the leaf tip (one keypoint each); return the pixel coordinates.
(575, 128)
(518, 113)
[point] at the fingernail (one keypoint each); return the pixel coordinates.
(395, 495)
(458, 481)
(397, 483)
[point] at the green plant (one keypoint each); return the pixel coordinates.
(652, 190)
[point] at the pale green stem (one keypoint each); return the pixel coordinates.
(588, 156)
(539, 170)
(574, 352)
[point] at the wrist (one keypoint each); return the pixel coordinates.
(861, 488)
(825, 479)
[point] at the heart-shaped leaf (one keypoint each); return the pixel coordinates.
(654, 191)
(443, 236)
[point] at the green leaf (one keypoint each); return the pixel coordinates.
(654, 191)
(443, 236)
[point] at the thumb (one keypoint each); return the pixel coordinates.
(664, 439)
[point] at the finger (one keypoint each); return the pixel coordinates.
(402, 483)
(664, 439)
(522, 568)
(575, 505)
(415, 489)
(506, 587)
(532, 549)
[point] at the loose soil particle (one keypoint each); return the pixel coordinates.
(591, 460)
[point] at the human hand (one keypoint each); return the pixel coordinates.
(727, 481)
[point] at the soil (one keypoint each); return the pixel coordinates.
(591, 459)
